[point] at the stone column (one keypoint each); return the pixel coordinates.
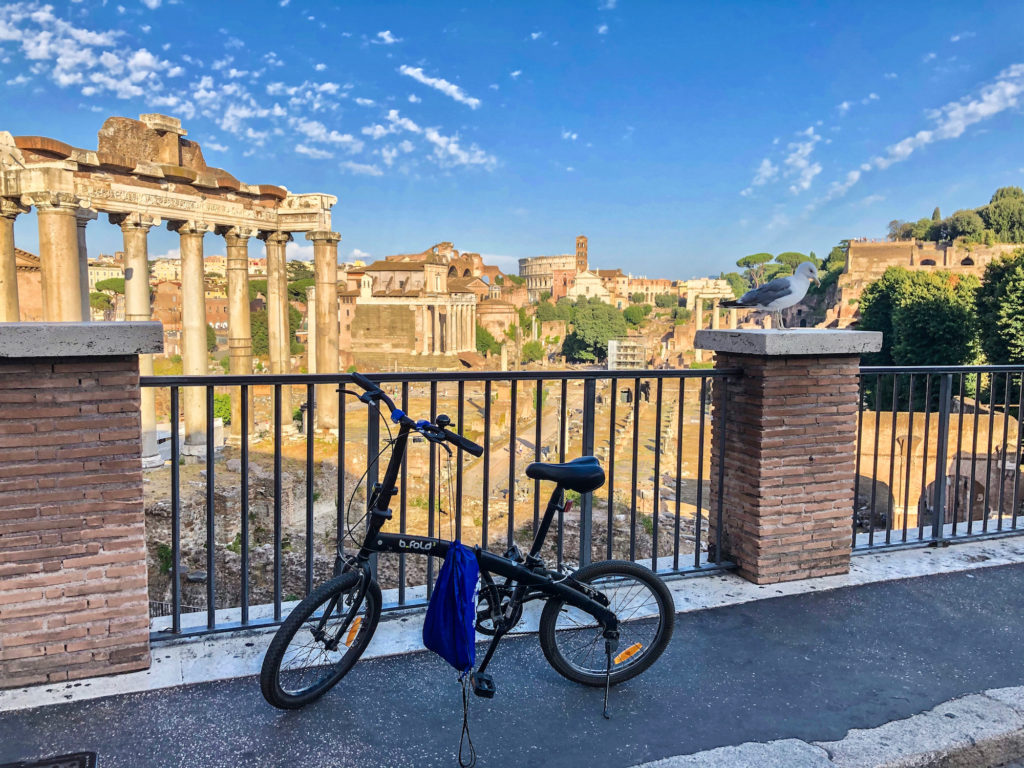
(471, 314)
(786, 432)
(9, 309)
(194, 355)
(311, 329)
(698, 312)
(239, 322)
(715, 322)
(435, 314)
(325, 266)
(135, 231)
(733, 318)
(82, 217)
(277, 314)
(72, 526)
(58, 252)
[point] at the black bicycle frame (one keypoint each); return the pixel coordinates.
(528, 575)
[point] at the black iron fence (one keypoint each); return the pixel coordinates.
(246, 528)
(938, 455)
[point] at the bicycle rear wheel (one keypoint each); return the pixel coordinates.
(314, 649)
(573, 642)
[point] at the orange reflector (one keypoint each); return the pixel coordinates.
(353, 630)
(628, 653)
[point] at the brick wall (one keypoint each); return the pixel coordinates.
(790, 445)
(73, 599)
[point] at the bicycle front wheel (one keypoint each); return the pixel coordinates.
(573, 640)
(314, 648)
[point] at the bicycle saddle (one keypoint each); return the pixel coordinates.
(581, 475)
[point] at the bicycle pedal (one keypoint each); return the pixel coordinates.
(483, 685)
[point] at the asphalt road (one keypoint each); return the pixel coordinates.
(810, 666)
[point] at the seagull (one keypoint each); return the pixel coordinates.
(780, 293)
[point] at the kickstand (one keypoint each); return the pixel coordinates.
(607, 676)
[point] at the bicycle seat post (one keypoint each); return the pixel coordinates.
(555, 503)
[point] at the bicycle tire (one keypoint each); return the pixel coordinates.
(325, 668)
(584, 636)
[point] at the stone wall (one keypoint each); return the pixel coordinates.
(73, 600)
(378, 328)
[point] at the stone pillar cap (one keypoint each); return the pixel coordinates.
(80, 339)
(789, 342)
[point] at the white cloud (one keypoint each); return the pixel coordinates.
(440, 84)
(961, 36)
(318, 132)
(890, 75)
(930, 56)
(603, 29)
(284, 3)
(844, 107)
(361, 169)
(608, 5)
(386, 38)
(215, 146)
(798, 161)
(152, 4)
(569, 135)
(414, 99)
(19, 80)
(273, 59)
(448, 152)
(365, 102)
(515, 73)
(318, 154)
(536, 35)
(146, 28)
(359, 255)
(320, 67)
(871, 200)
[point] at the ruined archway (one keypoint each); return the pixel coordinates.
(967, 261)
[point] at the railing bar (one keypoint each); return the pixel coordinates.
(244, 449)
(277, 502)
(612, 426)
(175, 512)
(1016, 455)
(403, 505)
(310, 476)
(562, 428)
(988, 453)
(485, 536)
(586, 510)
(459, 460)
(857, 453)
(634, 469)
(941, 457)
(513, 395)
(340, 511)
(874, 465)
(432, 488)
(974, 452)
(538, 408)
(924, 458)
(681, 408)
(910, 455)
(724, 425)
(890, 501)
(373, 418)
(959, 455)
(656, 501)
(211, 533)
(700, 475)
(1006, 427)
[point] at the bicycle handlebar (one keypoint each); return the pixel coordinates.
(427, 429)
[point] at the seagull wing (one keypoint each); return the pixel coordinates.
(764, 295)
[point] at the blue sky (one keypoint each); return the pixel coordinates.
(677, 136)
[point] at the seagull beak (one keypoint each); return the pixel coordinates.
(817, 282)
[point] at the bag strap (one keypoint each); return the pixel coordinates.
(470, 761)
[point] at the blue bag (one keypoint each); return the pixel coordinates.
(449, 628)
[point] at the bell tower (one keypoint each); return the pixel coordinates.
(581, 254)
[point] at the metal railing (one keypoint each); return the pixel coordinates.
(649, 510)
(938, 455)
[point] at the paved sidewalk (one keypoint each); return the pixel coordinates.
(809, 667)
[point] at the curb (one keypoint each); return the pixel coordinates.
(976, 731)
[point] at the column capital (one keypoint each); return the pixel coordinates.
(190, 227)
(277, 238)
(53, 201)
(84, 215)
(10, 208)
(323, 235)
(132, 221)
(237, 236)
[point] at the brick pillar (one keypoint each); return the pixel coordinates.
(73, 597)
(790, 432)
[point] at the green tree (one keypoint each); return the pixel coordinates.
(936, 216)
(791, 260)
(211, 338)
(637, 298)
(966, 224)
(755, 268)
(682, 315)
(633, 314)
(516, 279)
(926, 229)
(257, 288)
(485, 341)
(1000, 310)
(545, 295)
(112, 285)
(297, 289)
(222, 407)
(593, 326)
(1004, 215)
(546, 312)
(100, 301)
(260, 335)
(299, 270)
(736, 282)
(666, 300)
(532, 351)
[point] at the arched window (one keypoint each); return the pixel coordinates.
(437, 282)
(453, 272)
(967, 261)
(927, 262)
(467, 273)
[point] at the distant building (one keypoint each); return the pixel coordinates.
(103, 270)
(627, 353)
(539, 271)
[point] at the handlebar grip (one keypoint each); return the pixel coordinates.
(467, 445)
(364, 382)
